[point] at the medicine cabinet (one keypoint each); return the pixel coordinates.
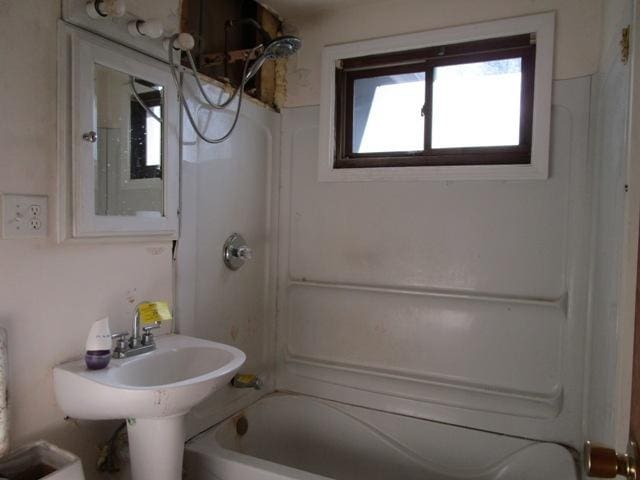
(121, 114)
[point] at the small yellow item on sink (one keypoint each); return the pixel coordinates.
(154, 312)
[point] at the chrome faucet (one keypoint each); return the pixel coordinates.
(136, 344)
(135, 339)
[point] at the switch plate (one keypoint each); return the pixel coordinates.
(24, 216)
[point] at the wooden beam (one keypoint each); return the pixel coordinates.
(212, 59)
(267, 83)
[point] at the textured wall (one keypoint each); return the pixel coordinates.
(577, 32)
(51, 294)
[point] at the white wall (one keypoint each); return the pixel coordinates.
(227, 188)
(578, 32)
(462, 302)
(340, 237)
(348, 244)
(609, 387)
(50, 294)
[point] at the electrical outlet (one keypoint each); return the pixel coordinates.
(24, 216)
(35, 224)
(35, 210)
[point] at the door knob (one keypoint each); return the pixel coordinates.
(602, 462)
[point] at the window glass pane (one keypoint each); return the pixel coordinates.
(477, 104)
(154, 138)
(387, 113)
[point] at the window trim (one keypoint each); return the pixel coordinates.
(425, 61)
(540, 25)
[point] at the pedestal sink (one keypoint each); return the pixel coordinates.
(153, 391)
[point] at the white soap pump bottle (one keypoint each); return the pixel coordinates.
(98, 351)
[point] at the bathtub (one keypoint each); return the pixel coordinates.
(286, 436)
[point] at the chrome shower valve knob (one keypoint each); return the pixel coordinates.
(236, 252)
(244, 252)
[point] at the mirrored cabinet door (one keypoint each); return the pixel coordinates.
(125, 149)
(129, 145)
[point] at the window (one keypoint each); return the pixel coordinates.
(458, 104)
(146, 134)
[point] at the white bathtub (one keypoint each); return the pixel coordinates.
(301, 437)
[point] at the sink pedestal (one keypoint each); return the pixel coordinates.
(156, 447)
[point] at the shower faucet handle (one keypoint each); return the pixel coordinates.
(244, 252)
(236, 251)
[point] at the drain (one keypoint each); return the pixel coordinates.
(242, 425)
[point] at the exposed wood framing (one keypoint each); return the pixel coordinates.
(267, 85)
(211, 59)
(207, 20)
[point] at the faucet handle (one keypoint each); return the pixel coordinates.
(121, 344)
(147, 336)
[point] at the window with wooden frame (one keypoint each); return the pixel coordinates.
(467, 103)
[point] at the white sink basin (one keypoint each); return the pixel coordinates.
(179, 374)
(154, 391)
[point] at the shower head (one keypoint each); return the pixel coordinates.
(280, 47)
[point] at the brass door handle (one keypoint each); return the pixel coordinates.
(602, 462)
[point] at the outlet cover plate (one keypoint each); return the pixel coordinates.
(24, 216)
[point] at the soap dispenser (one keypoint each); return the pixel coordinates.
(98, 351)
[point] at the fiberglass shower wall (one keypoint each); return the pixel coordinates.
(227, 188)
